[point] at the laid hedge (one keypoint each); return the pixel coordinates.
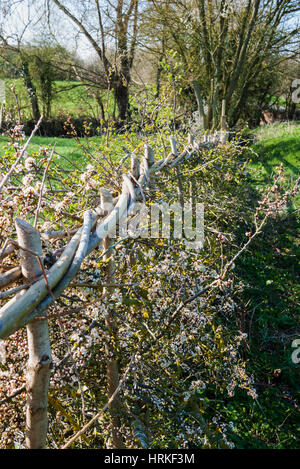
(56, 127)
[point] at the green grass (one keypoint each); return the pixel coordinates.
(270, 272)
(64, 146)
(69, 97)
(275, 144)
(69, 149)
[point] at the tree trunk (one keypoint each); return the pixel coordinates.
(158, 78)
(31, 90)
(122, 98)
(39, 362)
(100, 104)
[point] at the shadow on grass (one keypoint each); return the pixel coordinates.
(270, 272)
(270, 155)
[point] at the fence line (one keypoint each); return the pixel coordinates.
(23, 307)
(36, 296)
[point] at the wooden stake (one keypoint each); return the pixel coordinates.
(223, 124)
(39, 362)
(191, 140)
(135, 166)
(148, 161)
(173, 146)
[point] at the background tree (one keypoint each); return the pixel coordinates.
(13, 28)
(18, 61)
(46, 66)
(228, 49)
(116, 25)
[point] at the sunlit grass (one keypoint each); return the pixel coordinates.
(69, 98)
(277, 144)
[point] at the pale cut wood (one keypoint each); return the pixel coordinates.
(149, 155)
(223, 124)
(10, 277)
(191, 140)
(127, 182)
(173, 146)
(223, 107)
(148, 162)
(12, 313)
(135, 166)
(39, 362)
(108, 225)
(7, 250)
(88, 222)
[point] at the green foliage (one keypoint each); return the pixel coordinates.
(216, 374)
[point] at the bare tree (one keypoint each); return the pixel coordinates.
(106, 26)
(11, 45)
(228, 47)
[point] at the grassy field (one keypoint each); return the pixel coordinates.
(276, 144)
(270, 272)
(69, 97)
(64, 146)
(73, 151)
